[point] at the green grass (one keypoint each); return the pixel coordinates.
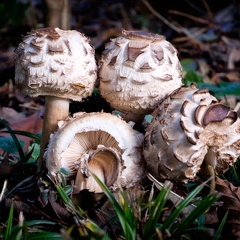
(148, 214)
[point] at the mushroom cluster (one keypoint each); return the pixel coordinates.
(189, 131)
(100, 143)
(137, 70)
(57, 64)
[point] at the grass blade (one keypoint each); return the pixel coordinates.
(156, 210)
(78, 212)
(220, 228)
(171, 219)
(126, 226)
(34, 136)
(45, 235)
(205, 204)
(18, 145)
(68, 202)
(9, 223)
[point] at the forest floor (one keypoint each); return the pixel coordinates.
(206, 35)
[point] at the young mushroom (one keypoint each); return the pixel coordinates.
(190, 131)
(57, 64)
(137, 70)
(99, 143)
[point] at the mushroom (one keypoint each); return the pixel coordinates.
(137, 70)
(191, 130)
(57, 64)
(101, 143)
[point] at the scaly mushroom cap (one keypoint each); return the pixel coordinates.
(54, 62)
(137, 70)
(189, 131)
(96, 142)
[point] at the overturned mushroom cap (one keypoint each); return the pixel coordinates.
(100, 143)
(55, 62)
(137, 70)
(189, 131)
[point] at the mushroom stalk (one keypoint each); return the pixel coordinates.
(56, 109)
(103, 163)
(57, 64)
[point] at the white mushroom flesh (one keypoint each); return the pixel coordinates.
(138, 70)
(100, 143)
(55, 62)
(190, 130)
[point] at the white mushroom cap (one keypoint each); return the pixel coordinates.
(55, 62)
(100, 142)
(189, 131)
(137, 70)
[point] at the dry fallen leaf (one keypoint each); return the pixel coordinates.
(10, 114)
(230, 198)
(32, 124)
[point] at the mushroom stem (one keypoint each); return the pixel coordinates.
(56, 109)
(104, 164)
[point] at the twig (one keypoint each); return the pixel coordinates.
(197, 19)
(210, 15)
(194, 34)
(158, 15)
(3, 190)
(177, 29)
(30, 107)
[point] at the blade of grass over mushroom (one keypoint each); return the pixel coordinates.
(171, 219)
(18, 145)
(156, 210)
(125, 220)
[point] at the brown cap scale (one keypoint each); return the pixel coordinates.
(189, 131)
(100, 143)
(137, 70)
(57, 64)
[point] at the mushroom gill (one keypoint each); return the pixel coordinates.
(100, 143)
(189, 131)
